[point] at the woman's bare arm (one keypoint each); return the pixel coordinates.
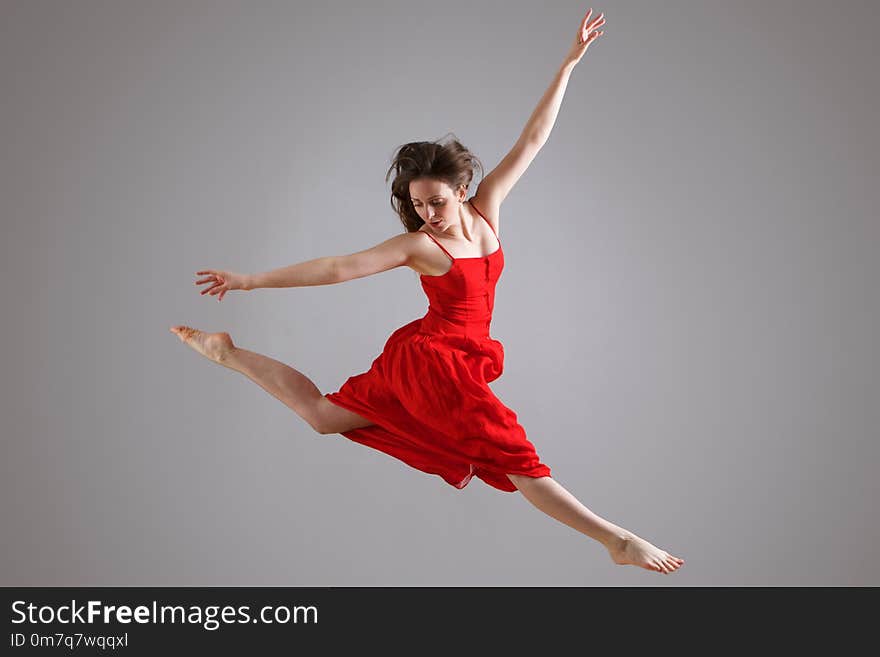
(543, 118)
(495, 187)
(329, 270)
(320, 271)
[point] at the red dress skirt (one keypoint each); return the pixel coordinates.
(427, 393)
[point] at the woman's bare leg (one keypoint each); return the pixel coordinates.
(624, 547)
(297, 391)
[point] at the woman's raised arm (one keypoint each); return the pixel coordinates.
(541, 121)
(496, 185)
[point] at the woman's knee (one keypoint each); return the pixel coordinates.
(329, 418)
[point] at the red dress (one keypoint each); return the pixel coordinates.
(427, 393)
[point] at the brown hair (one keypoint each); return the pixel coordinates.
(450, 163)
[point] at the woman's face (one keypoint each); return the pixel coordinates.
(435, 203)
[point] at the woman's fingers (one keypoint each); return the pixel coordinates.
(586, 24)
(208, 289)
(590, 28)
(213, 278)
(219, 285)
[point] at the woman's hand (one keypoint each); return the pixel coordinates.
(221, 282)
(586, 34)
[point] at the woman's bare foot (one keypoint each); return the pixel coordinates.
(629, 549)
(213, 346)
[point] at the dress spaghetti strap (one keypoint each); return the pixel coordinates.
(440, 245)
(486, 220)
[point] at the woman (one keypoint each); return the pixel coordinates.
(425, 400)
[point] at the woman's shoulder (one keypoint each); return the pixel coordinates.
(417, 245)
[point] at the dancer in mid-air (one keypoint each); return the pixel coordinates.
(425, 399)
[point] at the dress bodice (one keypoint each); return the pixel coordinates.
(461, 301)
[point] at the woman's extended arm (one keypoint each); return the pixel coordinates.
(393, 252)
(320, 271)
(541, 121)
(495, 186)
(325, 270)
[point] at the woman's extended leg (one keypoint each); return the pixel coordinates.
(624, 547)
(287, 384)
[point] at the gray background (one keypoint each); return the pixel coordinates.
(689, 306)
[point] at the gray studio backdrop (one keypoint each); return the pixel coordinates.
(689, 305)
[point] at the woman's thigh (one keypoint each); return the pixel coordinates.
(335, 419)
